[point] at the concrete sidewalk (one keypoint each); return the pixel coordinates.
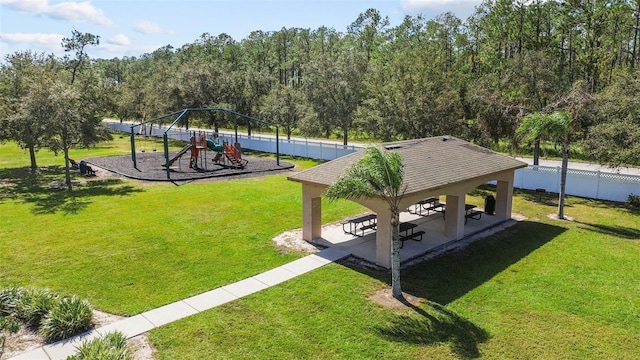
(151, 319)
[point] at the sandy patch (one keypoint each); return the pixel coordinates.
(26, 340)
(293, 240)
(384, 298)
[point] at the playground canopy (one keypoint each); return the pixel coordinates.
(175, 117)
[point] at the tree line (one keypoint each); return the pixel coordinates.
(475, 79)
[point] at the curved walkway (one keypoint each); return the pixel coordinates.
(151, 319)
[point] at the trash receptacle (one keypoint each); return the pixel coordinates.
(83, 167)
(489, 205)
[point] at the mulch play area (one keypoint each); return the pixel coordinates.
(150, 167)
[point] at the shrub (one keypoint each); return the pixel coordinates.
(68, 317)
(633, 201)
(8, 298)
(113, 347)
(34, 304)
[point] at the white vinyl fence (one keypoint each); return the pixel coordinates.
(312, 149)
(583, 183)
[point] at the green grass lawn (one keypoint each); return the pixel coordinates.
(541, 289)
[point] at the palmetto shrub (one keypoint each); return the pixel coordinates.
(34, 304)
(8, 298)
(112, 347)
(70, 316)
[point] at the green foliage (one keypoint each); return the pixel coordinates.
(8, 298)
(70, 316)
(554, 127)
(113, 346)
(377, 173)
(34, 304)
(633, 201)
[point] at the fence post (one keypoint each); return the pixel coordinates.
(559, 174)
(598, 185)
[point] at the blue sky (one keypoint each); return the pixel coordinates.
(135, 27)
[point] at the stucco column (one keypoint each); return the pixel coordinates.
(383, 239)
(504, 196)
(311, 212)
(454, 219)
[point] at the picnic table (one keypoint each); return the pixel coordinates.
(407, 232)
(470, 212)
(361, 223)
(427, 205)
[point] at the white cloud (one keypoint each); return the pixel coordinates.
(460, 8)
(68, 11)
(107, 50)
(30, 6)
(119, 39)
(147, 27)
(49, 41)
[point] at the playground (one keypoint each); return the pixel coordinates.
(150, 166)
(204, 155)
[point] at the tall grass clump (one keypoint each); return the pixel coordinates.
(70, 316)
(8, 298)
(34, 304)
(112, 346)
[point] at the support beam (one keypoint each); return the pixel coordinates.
(504, 196)
(311, 212)
(454, 219)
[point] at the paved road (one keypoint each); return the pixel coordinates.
(585, 166)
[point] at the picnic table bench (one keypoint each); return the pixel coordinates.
(409, 234)
(361, 223)
(427, 205)
(470, 212)
(74, 164)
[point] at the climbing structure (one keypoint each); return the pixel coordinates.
(234, 155)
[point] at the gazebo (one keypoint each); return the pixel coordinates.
(433, 167)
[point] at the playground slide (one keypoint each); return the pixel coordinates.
(178, 155)
(213, 146)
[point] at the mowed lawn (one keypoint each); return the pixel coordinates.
(541, 289)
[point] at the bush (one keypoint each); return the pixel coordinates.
(68, 317)
(112, 347)
(8, 298)
(633, 201)
(34, 304)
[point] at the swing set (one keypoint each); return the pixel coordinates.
(178, 115)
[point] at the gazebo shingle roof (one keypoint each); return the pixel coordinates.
(429, 163)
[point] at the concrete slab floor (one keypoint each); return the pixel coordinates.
(433, 225)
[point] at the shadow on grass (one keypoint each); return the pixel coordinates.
(47, 190)
(436, 324)
(617, 231)
(451, 276)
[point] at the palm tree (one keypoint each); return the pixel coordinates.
(554, 127)
(378, 174)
